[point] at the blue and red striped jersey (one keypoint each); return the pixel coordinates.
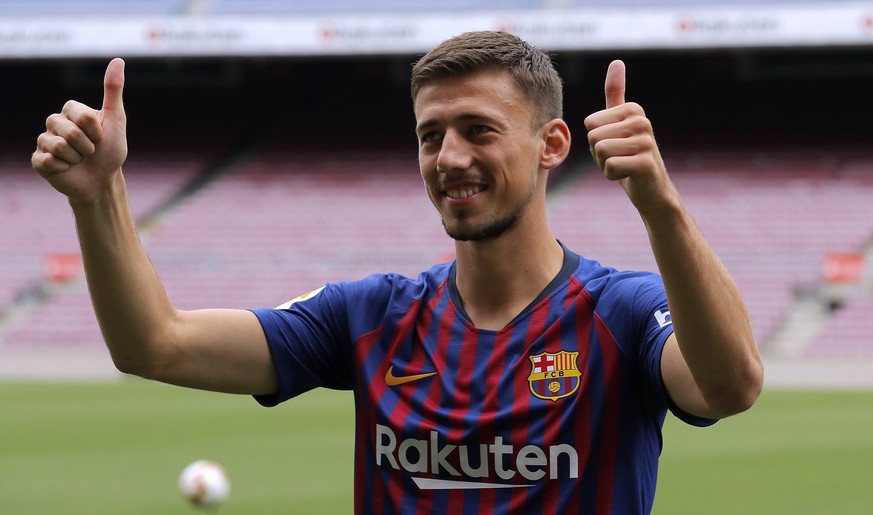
(559, 412)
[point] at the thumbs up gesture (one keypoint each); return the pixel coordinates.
(83, 148)
(623, 144)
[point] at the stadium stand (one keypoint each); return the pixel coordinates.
(302, 221)
(846, 333)
(771, 218)
(278, 225)
(65, 319)
(23, 202)
(35, 227)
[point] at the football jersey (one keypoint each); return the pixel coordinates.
(558, 412)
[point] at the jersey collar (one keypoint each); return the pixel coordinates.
(571, 263)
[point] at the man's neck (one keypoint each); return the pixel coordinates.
(498, 278)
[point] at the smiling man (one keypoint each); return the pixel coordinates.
(471, 147)
(520, 377)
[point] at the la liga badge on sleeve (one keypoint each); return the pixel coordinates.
(554, 376)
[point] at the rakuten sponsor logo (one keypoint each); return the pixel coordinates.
(495, 460)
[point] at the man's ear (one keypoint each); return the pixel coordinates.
(556, 136)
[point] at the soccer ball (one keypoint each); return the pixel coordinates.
(204, 483)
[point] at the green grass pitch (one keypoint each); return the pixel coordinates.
(116, 448)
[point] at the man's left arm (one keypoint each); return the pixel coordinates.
(710, 365)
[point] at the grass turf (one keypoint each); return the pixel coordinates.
(118, 448)
(798, 452)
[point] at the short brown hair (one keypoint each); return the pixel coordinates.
(531, 69)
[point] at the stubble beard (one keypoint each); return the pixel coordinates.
(492, 228)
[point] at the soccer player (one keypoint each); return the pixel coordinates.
(521, 377)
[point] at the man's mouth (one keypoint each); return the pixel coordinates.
(464, 192)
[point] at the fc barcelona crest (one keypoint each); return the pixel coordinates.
(554, 376)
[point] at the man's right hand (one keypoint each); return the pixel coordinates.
(82, 148)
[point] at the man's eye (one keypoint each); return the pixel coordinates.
(429, 137)
(479, 129)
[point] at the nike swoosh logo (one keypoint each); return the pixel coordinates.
(392, 380)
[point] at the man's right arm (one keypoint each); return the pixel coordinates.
(80, 155)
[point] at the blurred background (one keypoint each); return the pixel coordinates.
(272, 150)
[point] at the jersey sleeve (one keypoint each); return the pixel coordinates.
(651, 314)
(634, 307)
(310, 343)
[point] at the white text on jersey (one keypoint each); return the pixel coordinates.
(428, 456)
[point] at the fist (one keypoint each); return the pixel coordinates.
(623, 144)
(82, 148)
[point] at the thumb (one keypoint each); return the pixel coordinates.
(615, 84)
(113, 86)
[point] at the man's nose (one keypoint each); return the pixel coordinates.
(454, 153)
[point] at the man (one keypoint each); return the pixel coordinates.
(520, 377)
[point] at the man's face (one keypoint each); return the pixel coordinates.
(478, 156)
